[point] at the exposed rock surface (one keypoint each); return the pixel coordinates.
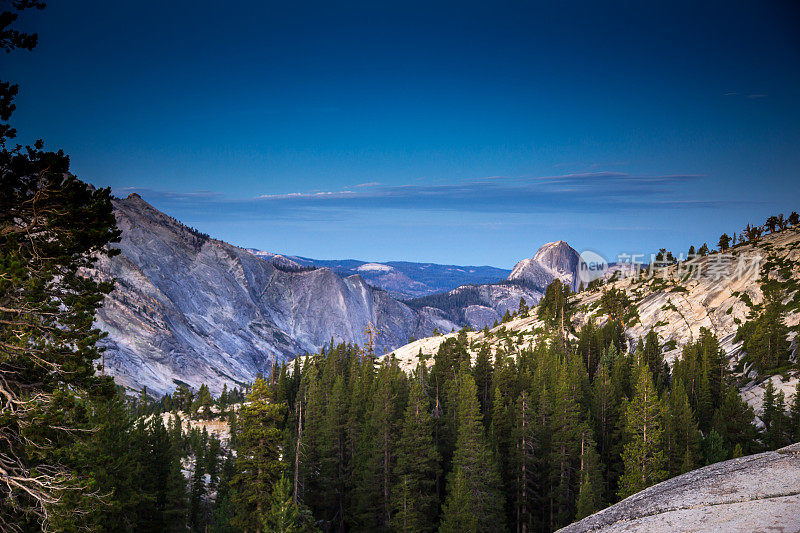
(554, 260)
(713, 294)
(756, 493)
(192, 309)
(676, 304)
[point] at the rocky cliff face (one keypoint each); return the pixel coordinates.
(188, 308)
(554, 260)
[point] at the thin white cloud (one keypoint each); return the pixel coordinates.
(567, 194)
(299, 195)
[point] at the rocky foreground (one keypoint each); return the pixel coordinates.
(750, 494)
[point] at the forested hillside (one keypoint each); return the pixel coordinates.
(744, 294)
(528, 426)
(527, 441)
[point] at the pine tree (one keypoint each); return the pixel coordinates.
(681, 435)
(197, 493)
(523, 308)
(643, 454)
(502, 437)
(555, 307)
(211, 461)
(53, 229)
(474, 501)
(223, 398)
(258, 456)
(224, 508)
(161, 479)
(605, 414)
(705, 399)
(768, 406)
(590, 492)
(734, 422)
(334, 457)
(114, 458)
(615, 303)
(655, 360)
(374, 464)
(771, 223)
(414, 497)
(526, 463)
(765, 338)
(714, 448)
(794, 415)
(284, 515)
(565, 439)
(203, 402)
(483, 378)
(775, 412)
(724, 242)
(184, 397)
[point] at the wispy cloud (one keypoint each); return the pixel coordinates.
(304, 195)
(567, 194)
(751, 96)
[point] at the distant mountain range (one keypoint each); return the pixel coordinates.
(401, 279)
(466, 295)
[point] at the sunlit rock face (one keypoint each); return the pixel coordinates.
(554, 260)
(187, 308)
(756, 493)
(677, 306)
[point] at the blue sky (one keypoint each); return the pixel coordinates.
(463, 132)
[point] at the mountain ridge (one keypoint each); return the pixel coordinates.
(402, 279)
(191, 309)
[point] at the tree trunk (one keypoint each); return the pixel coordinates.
(297, 450)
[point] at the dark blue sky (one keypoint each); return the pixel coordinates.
(464, 132)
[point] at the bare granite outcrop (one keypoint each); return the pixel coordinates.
(758, 493)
